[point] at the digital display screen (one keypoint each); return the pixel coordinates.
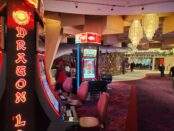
(90, 52)
(47, 89)
(89, 68)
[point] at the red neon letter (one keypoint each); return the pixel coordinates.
(21, 70)
(20, 84)
(20, 45)
(21, 32)
(19, 122)
(20, 97)
(21, 58)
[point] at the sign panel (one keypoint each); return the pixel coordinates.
(20, 49)
(88, 37)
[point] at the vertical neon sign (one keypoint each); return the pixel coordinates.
(21, 62)
(20, 48)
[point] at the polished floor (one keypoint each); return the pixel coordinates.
(135, 75)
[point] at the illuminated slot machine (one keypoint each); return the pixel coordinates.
(61, 115)
(89, 64)
(45, 92)
(87, 56)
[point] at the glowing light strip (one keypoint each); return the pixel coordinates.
(20, 71)
(78, 65)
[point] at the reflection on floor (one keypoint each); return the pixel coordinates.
(135, 75)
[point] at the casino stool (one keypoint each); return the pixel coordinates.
(87, 123)
(81, 95)
(93, 122)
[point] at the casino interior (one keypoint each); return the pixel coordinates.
(78, 65)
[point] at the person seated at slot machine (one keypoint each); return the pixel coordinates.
(60, 75)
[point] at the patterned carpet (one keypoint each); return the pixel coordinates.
(155, 104)
(117, 109)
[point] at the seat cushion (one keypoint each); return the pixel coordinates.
(89, 122)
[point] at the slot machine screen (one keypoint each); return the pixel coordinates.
(89, 52)
(89, 68)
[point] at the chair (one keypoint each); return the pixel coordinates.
(81, 95)
(67, 85)
(82, 92)
(93, 122)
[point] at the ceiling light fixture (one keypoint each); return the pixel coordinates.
(135, 32)
(150, 25)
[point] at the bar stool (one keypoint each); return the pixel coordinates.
(67, 85)
(81, 95)
(93, 122)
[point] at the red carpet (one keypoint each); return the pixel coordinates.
(155, 104)
(131, 122)
(150, 107)
(117, 109)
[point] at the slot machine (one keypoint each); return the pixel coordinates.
(62, 116)
(87, 56)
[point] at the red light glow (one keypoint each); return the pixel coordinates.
(33, 2)
(21, 17)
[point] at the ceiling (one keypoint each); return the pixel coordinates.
(128, 10)
(109, 7)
